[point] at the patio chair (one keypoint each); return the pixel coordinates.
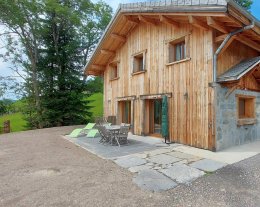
(101, 120)
(82, 131)
(122, 136)
(125, 124)
(106, 135)
(111, 119)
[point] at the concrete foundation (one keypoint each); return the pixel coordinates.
(228, 133)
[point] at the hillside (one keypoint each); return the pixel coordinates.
(16, 120)
(18, 123)
(97, 104)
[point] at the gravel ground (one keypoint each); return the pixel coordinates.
(39, 168)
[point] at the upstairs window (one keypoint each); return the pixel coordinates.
(178, 49)
(114, 70)
(139, 62)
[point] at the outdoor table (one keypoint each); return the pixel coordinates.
(114, 129)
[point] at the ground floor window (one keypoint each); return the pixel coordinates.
(245, 109)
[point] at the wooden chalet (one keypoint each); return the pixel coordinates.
(202, 54)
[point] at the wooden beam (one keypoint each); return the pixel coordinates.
(118, 37)
(98, 67)
(169, 21)
(248, 42)
(197, 23)
(231, 90)
(132, 20)
(216, 25)
(95, 73)
(147, 20)
(107, 52)
(228, 43)
(220, 38)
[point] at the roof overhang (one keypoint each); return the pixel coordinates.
(125, 20)
(240, 70)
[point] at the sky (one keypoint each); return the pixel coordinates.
(4, 67)
(255, 9)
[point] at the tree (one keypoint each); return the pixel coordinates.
(60, 65)
(25, 28)
(94, 85)
(55, 38)
(245, 3)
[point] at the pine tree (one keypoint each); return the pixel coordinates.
(245, 3)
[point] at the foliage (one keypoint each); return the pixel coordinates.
(94, 85)
(55, 38)
(6, 106)
(3, 108)
(245, 3)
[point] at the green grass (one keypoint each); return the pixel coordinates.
(16, 120)
(97, 103)
(18, 123)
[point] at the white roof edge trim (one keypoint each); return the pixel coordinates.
(246, 71)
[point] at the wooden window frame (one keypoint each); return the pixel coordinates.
(249, 117)
(172, 43)
(114, 65)
(134, 56)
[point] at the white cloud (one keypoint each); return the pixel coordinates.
(4, 69)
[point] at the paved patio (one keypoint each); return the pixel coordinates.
(158, 166)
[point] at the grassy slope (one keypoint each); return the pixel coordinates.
(16, 120)
(18, 124)
(97, 103)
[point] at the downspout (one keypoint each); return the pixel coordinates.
(230, 35)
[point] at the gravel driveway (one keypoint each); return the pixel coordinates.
(39, 168)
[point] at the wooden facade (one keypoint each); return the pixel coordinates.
(186, 82)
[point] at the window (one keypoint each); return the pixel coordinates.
(178, 49)
(114, 70)
(139, 62)
(246, 109)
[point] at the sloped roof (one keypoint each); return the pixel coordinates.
(239, 70)
(158, 5)
(121, 27)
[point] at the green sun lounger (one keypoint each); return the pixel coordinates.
(81, 132)
(92, 133)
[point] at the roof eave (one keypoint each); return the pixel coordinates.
(114, 18)
(244, 12)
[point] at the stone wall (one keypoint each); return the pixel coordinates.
(228, 133)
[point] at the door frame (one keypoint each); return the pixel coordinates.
(132, 109)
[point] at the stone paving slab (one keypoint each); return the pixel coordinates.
(139, 168)
(130, 161)
(163, 159)
(182, 173)
(152, 180)
(159, 151)
(181, 155)
(208, 165)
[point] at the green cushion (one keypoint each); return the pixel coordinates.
(92, 133)
(90, 126)
(75, 133)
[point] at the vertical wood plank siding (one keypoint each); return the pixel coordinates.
(190, 107)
